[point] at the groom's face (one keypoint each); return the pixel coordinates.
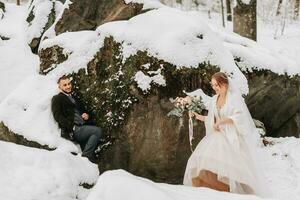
(65, 85)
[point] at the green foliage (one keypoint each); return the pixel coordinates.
(106, 90)
(109, 90)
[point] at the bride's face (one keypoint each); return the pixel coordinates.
(219, 89)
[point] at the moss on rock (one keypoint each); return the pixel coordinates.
(9, 136)
(110, 91)
(50, 58)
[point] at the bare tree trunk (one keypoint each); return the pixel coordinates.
(244, 19)
(222, 8)
(279, 7)
(18, 2)
(228, 7)
(296, 9)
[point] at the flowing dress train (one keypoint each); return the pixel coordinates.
(222, 160)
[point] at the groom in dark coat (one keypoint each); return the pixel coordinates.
(74, 120)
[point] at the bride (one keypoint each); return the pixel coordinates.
(224, 158)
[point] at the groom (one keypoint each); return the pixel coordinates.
(73, 119)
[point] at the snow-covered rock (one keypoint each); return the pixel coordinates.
(27, 112)
(41, 15)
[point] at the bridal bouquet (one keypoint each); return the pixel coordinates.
(186, 104)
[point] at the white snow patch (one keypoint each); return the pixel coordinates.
(169, 34)
(144, 81)
(16, 60)
(281, 55)
(132, 187)
(147, 4)
(41, 11)
(30, 173)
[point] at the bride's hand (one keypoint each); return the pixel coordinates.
(197, 116)
(216, 127)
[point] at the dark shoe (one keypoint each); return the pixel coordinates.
(91, 158)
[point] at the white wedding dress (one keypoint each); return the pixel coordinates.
(227, 153)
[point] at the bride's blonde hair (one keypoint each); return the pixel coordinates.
(221, 78)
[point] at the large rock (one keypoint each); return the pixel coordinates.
(274, 100)
(89, 14)
(41, 16)
(146, 141)
(152, 145)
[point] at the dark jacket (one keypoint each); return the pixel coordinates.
(63, 111)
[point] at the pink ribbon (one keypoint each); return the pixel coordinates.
(191, 132)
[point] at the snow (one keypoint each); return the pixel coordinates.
(246, 1)
(284, 167)
(27, 111)
(147, 4)
(16, 60)
(286, 46)
(282, 174)
(144, 81)
(80, 47)
(30, 173)
(168, 34)
(280, 55)
(119, 184)
(254, 56)
(41, 10)
(178, 37)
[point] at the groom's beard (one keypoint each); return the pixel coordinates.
(67, 92)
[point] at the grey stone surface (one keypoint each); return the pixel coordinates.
(89, 14)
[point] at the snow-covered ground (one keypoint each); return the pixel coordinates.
(282, 175)
(30, 173)
(118, 184)
(40, 174)
(25, 100)
(283, 167)
(16, 60)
